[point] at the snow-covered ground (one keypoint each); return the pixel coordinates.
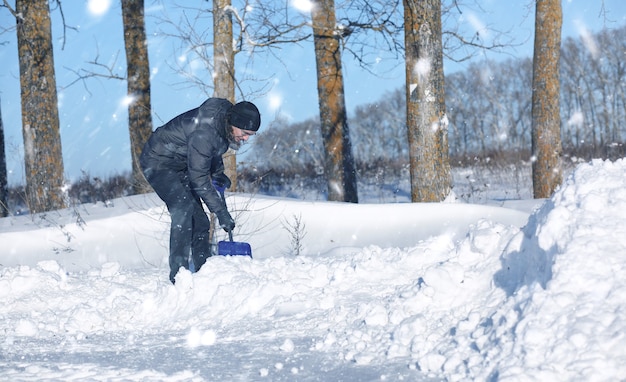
(335, 292)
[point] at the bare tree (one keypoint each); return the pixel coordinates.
(40, 118)
(224, 71)
(578, 96)
(138, 83)
(4, 185)
(546, 132)
(491, 112)
(380, 130)
(593, 102)
(285, 147)
(339, 163)
(427, 122)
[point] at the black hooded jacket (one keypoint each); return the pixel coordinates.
(193, 143)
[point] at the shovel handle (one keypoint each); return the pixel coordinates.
(230, 235)
(221, 191)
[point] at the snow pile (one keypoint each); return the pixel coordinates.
(482, 299)
(571, 324)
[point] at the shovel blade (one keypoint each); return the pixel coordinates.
(234, 248)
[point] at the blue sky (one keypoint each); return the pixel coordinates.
(94, 128)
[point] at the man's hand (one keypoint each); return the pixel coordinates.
(221, 189)
(226, 221)
(221, 182)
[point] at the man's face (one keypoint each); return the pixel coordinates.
(240, 136)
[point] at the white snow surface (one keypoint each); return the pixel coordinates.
(378, 292)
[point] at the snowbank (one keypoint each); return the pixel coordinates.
(391, 292)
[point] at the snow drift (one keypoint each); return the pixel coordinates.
(379, 292)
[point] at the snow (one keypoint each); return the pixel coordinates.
(439, 291)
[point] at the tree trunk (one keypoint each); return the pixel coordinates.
(546, 134)
(4, 182)
(224, 83)
(40, 117)
(138, 74)
(427, 123)
(339, 162)
(224, 76)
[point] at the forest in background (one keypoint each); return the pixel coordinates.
(489, 109)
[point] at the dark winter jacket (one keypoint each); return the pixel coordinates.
(193, 142)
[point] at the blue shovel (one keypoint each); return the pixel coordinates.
(230, 247)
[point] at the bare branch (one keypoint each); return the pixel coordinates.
(101, 71)
(65, 26)
(13, 12)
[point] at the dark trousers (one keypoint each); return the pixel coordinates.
(189, 231)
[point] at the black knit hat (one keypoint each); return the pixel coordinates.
(245, 116)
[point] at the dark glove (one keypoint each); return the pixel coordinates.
(220, 181)
(226, 221)
(221, 189)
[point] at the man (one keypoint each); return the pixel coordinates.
(182, 161)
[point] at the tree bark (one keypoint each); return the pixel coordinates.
(339, 161)
(40, 116)
(138, 80)
(427, 123)
(546, 132)
(4, 182)
(224, 76)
